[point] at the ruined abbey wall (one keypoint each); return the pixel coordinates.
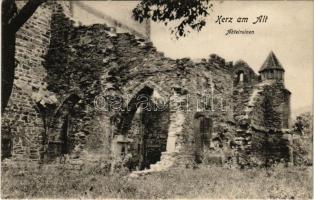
(99, 61)
(22, 119)
(207, 110)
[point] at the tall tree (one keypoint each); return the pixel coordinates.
(190, 14)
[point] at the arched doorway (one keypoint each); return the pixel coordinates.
(145, 125)
(59, 129)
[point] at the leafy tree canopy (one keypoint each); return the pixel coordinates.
(191, 14)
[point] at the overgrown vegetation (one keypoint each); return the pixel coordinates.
(303, 139)
(95, 181)
(204, 182)
(189, 15)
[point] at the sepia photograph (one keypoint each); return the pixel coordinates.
(157, 99)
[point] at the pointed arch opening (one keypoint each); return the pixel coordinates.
(143, 129)
(59, 136)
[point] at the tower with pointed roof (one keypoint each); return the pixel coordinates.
(272, 69)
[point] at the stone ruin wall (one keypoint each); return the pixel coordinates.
(27, 127)
(262, 123)
(99, 60)
(21, 118)
(73, 65)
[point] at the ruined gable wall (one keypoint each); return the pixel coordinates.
(94, 60)
(264, 119)
(190, 82)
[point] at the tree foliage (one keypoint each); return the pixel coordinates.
(303, 142)
(303, 124)
(190, 14)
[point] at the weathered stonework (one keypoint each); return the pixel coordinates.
(213, 110)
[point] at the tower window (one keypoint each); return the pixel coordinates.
(241, 77)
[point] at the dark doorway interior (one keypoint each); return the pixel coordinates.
(203, 130)
(60, 137)
(58, 145)
(65, 135)
(6, 148)
(155, 131)
(148, 126)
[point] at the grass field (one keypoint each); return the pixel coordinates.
(204, 182)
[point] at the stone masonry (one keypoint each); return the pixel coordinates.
(85, 92)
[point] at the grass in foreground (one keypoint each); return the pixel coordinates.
(205, 182)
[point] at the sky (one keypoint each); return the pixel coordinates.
(288, 32)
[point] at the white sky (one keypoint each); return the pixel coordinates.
(288, 32)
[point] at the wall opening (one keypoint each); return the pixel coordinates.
(59, 138)
(240, 78)
(145, 125)
(6, 148)
(241, 75)
(202, 132)
(65, 135)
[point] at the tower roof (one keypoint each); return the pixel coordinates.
(271, 62)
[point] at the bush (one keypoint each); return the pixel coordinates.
(303, 139)
(302, 151)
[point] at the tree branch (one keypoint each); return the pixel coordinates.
(24, 14)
